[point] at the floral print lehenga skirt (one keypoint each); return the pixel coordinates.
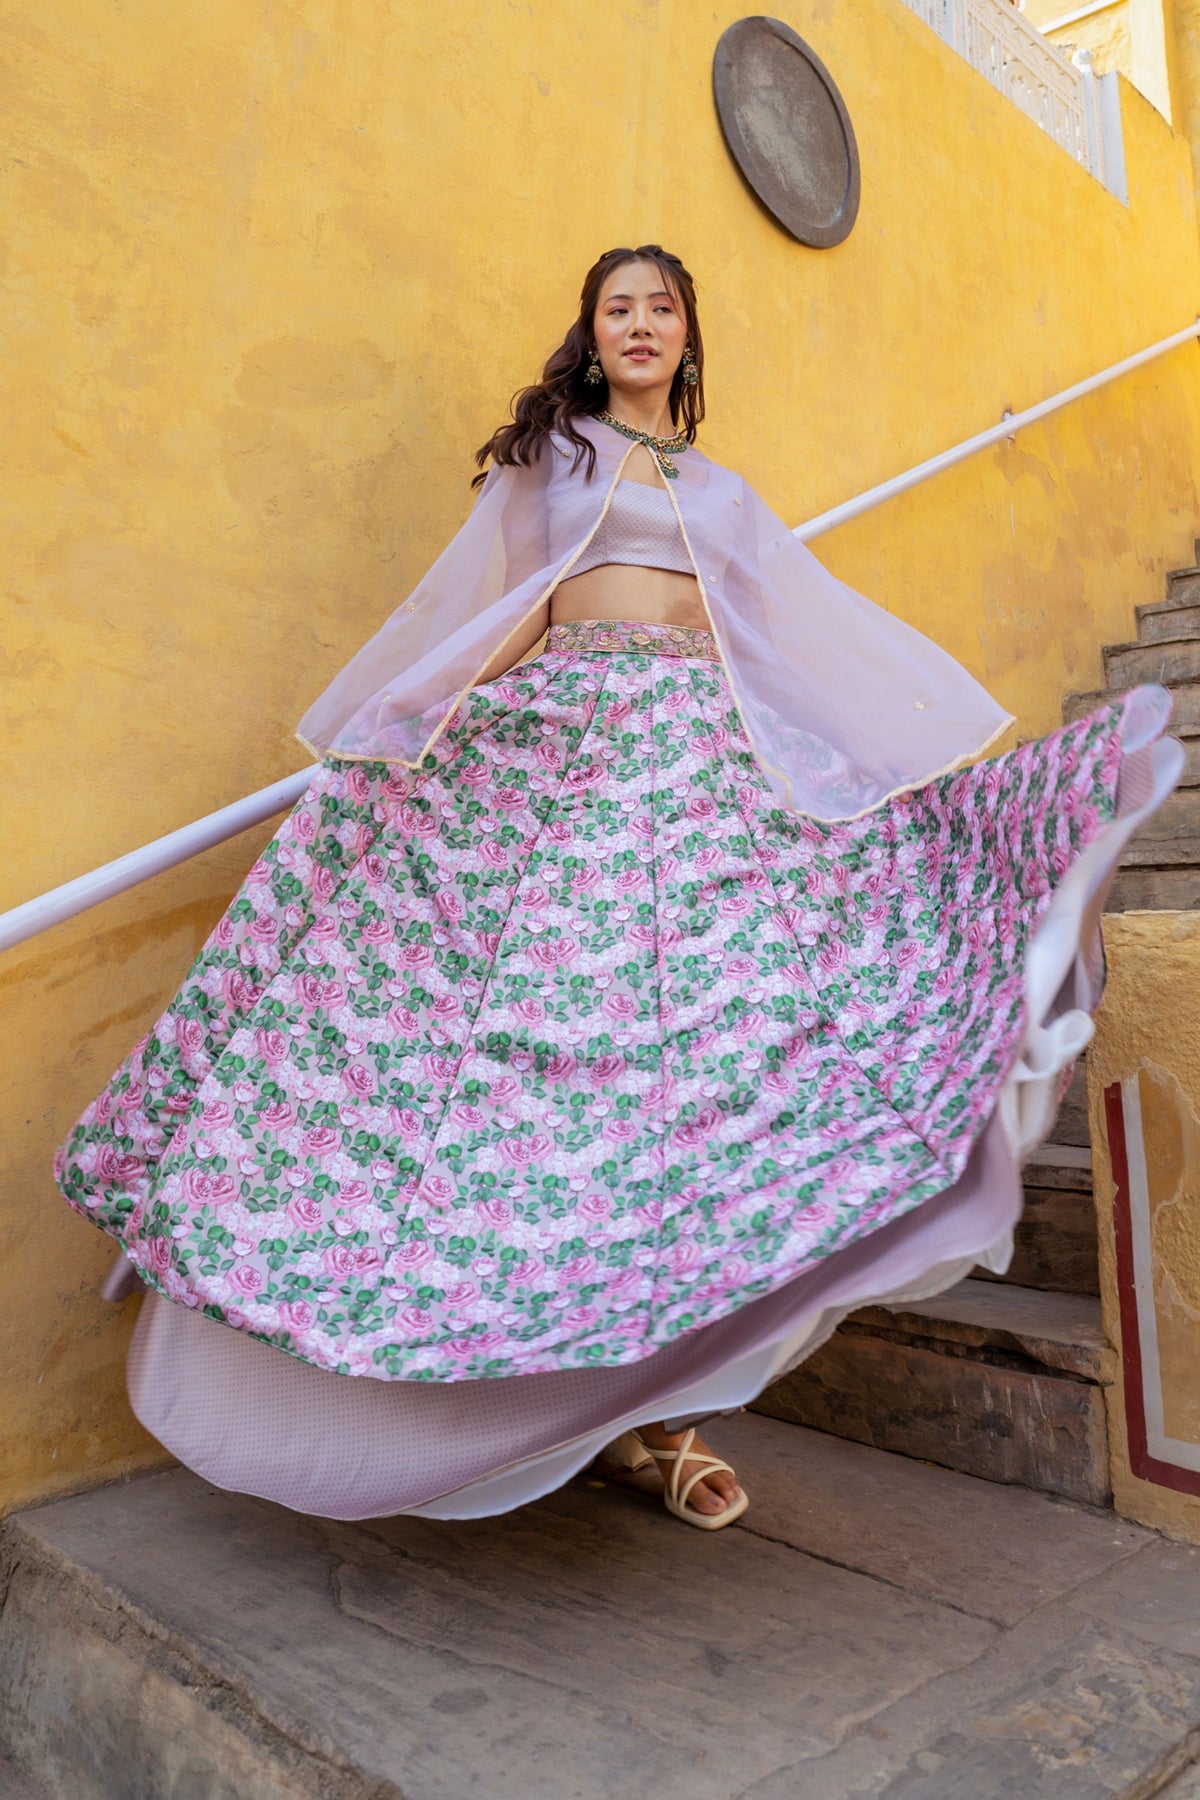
(568, 1081)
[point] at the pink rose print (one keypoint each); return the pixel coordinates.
(544, 1045)
(605, 1069)
(116, 1166)
(158, 1254)
(321, 1141)
(189, 1035)
(437, 1190)
(496, 1212)
(352, 1193)
(550, 953)
(415, 956)
(521, 1152)
(238, 991)
(204, 1189)
(581, 776)
(305, 1213)
(297, 1315)
(413, 1255)
(359, 1260)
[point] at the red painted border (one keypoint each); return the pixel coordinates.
(1143, 1465)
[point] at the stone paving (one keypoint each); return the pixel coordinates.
(875, 1627)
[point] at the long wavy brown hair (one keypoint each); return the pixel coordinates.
(562, 395)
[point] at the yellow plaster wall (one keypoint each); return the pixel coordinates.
(271, 272)
(1148, 1026)
(1187, 76)
(1105, 34)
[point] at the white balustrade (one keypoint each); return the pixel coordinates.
(1062, 95)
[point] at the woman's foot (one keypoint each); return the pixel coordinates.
(715, 1492)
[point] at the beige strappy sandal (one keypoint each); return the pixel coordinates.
(675, 1496)
(630, 1461)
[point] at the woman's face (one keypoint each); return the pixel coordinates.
(639, 330)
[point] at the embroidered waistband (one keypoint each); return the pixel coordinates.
(632, 634)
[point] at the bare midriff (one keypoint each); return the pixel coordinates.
(627, 591)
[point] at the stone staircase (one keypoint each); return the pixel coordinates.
(1161, 870)
(1004, 1378)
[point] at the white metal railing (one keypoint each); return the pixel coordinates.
(946, 459)
(77, 896)
(1062, 95)
(129, 871)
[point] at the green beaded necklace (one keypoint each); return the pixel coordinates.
(657, 446)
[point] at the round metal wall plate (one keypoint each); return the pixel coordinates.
(787, 129)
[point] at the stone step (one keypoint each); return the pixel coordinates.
(1055, 1240)
(1161, 853)
(1175, 821)
(1183, 586)
(1185, 713)
(1066, 1162)
(1169, 621)
(16, 1783)
(991, 1379)
(1127, 665)
(1155, 890)
(876, 1626)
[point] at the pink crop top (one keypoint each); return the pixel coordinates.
(639, 527)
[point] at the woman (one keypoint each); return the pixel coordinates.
(603, 1026)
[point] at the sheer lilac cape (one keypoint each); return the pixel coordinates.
(843, 704)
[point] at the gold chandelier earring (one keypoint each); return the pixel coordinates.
(691, 373)
(594, 372)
